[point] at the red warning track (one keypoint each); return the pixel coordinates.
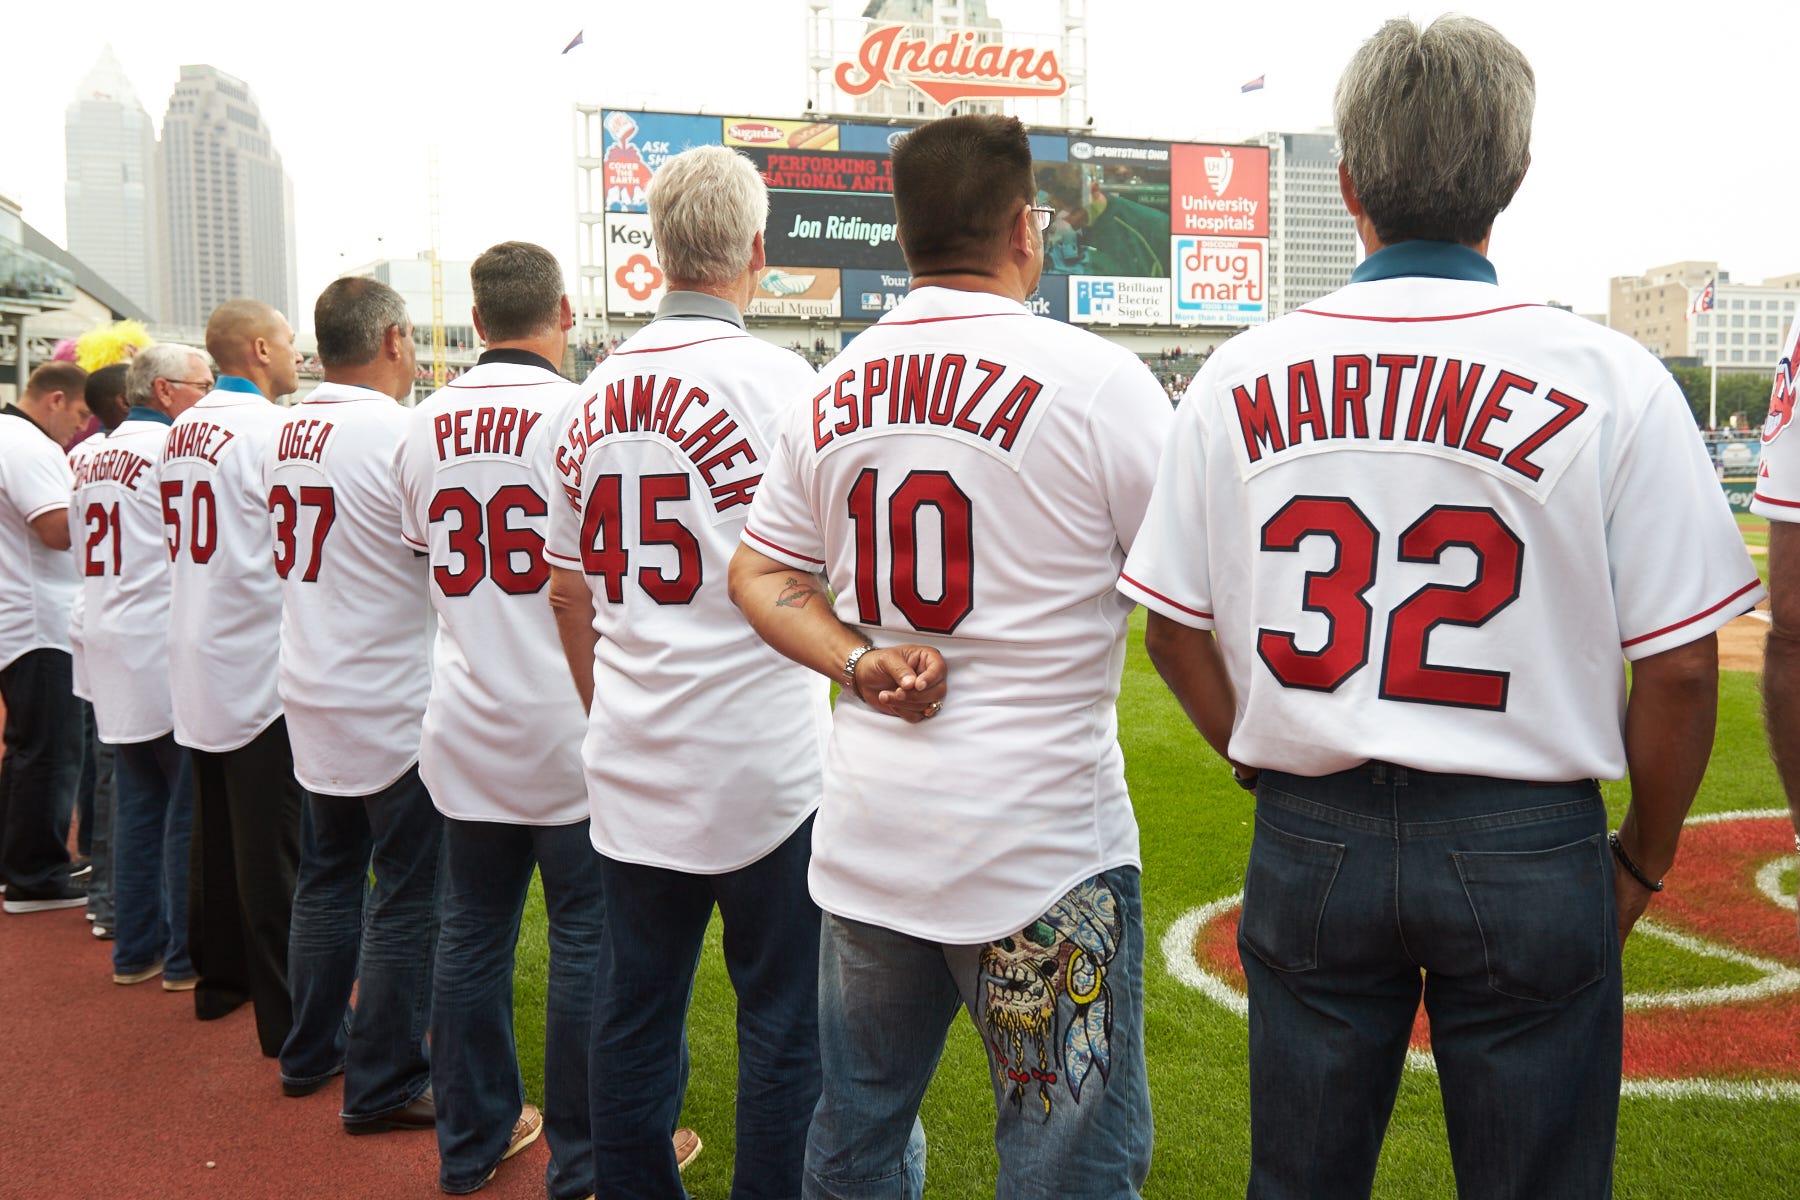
(1713, 896)
(119, 1091)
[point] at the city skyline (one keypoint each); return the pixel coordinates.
(1652, 144)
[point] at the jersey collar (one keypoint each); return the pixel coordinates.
(517, 358)
(698, 304)
(13, 410)
(1438, 260)
(235, 383)
(142, 412)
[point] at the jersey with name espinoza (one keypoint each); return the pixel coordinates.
(1426, 519)
(970, 476)
(224, 598)
(503, 727)
(703, 747)
(116, 532)
(355, 620)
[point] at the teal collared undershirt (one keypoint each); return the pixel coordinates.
(1439, 260)
(140, 412)
(234, 383)
(698, 304)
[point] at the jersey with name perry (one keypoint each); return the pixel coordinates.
(970, 476)
(1777, 494)
(116, 532)
(1426, 519)
(355, 617)
(503, 727)
(224, 598)
(37, 584)
(704, 744)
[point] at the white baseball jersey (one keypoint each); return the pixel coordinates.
(78, 609)
(1778, 478)
(355, 618)
(503, 726)
(703, 744)
(116, 529)
(37, 584)
(224, 600)
(970, 476)
(1427, 519)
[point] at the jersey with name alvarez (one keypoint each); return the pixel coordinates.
(37, 584)
(116, 531)
(1778, 478)
(1426, 519)
(704, 745)
(503, 726)
(224, 600)
(355, 618)
(971, 476)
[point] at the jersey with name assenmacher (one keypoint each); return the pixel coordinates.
(224, 598)
(355, 617)
(1778, 477)
(37, 584)
(970, 476)
(1428, 519)
(704, 744)
(116, 530)
(503, 726)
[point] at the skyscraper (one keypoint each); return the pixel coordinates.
(1312, 238)
(229, 205)
(110, 196)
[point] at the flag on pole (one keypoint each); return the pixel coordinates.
(574, 42)
(1255, 85)
(1703, 300)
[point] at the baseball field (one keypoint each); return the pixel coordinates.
(1712, 981)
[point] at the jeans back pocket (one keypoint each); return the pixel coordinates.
(1285, 890)
(1543, 916)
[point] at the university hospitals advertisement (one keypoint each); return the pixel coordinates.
(1219, 281)
(1221, 191)
(634, 279)
(796, 292)
(635, 144)
(1110, 300)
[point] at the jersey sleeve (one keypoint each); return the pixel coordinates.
(412, 479)
(562, 539)
(1679, 566)
(1128, 427)
(1778, 478)
(1167, 571)
(39, 480)
(781, 523)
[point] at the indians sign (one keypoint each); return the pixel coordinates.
(957, 66)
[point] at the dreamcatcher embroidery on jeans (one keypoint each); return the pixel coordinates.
(1053, 974)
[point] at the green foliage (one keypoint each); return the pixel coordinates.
(1196, 837)
(1740, 392)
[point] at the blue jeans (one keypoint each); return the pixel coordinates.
(38, 773)
(655, 923)
(1060, 1006)
(475, 1063)
(379, 941)
(97, 779)
(1491, 897)
(155, 817)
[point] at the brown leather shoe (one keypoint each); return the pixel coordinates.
(525, 1131)
(420, 1114)
(687, 1148)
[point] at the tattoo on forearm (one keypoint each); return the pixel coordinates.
(795, 593)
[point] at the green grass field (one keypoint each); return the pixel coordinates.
(1196, 837)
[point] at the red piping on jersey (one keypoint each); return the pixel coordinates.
(473, 387)
(413, 544)
(1486, 312)
(1773, 500)
(1656, 633)
(749, 533)
(551, 556)
(963, 317)
(1192, 612)
(724, 337)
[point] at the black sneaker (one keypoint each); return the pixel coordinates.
(68, 895)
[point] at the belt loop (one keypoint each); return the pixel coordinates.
(1400, 777)
(1379, 773)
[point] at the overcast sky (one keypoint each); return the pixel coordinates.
(1658, 138)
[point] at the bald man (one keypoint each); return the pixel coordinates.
(224, 632)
